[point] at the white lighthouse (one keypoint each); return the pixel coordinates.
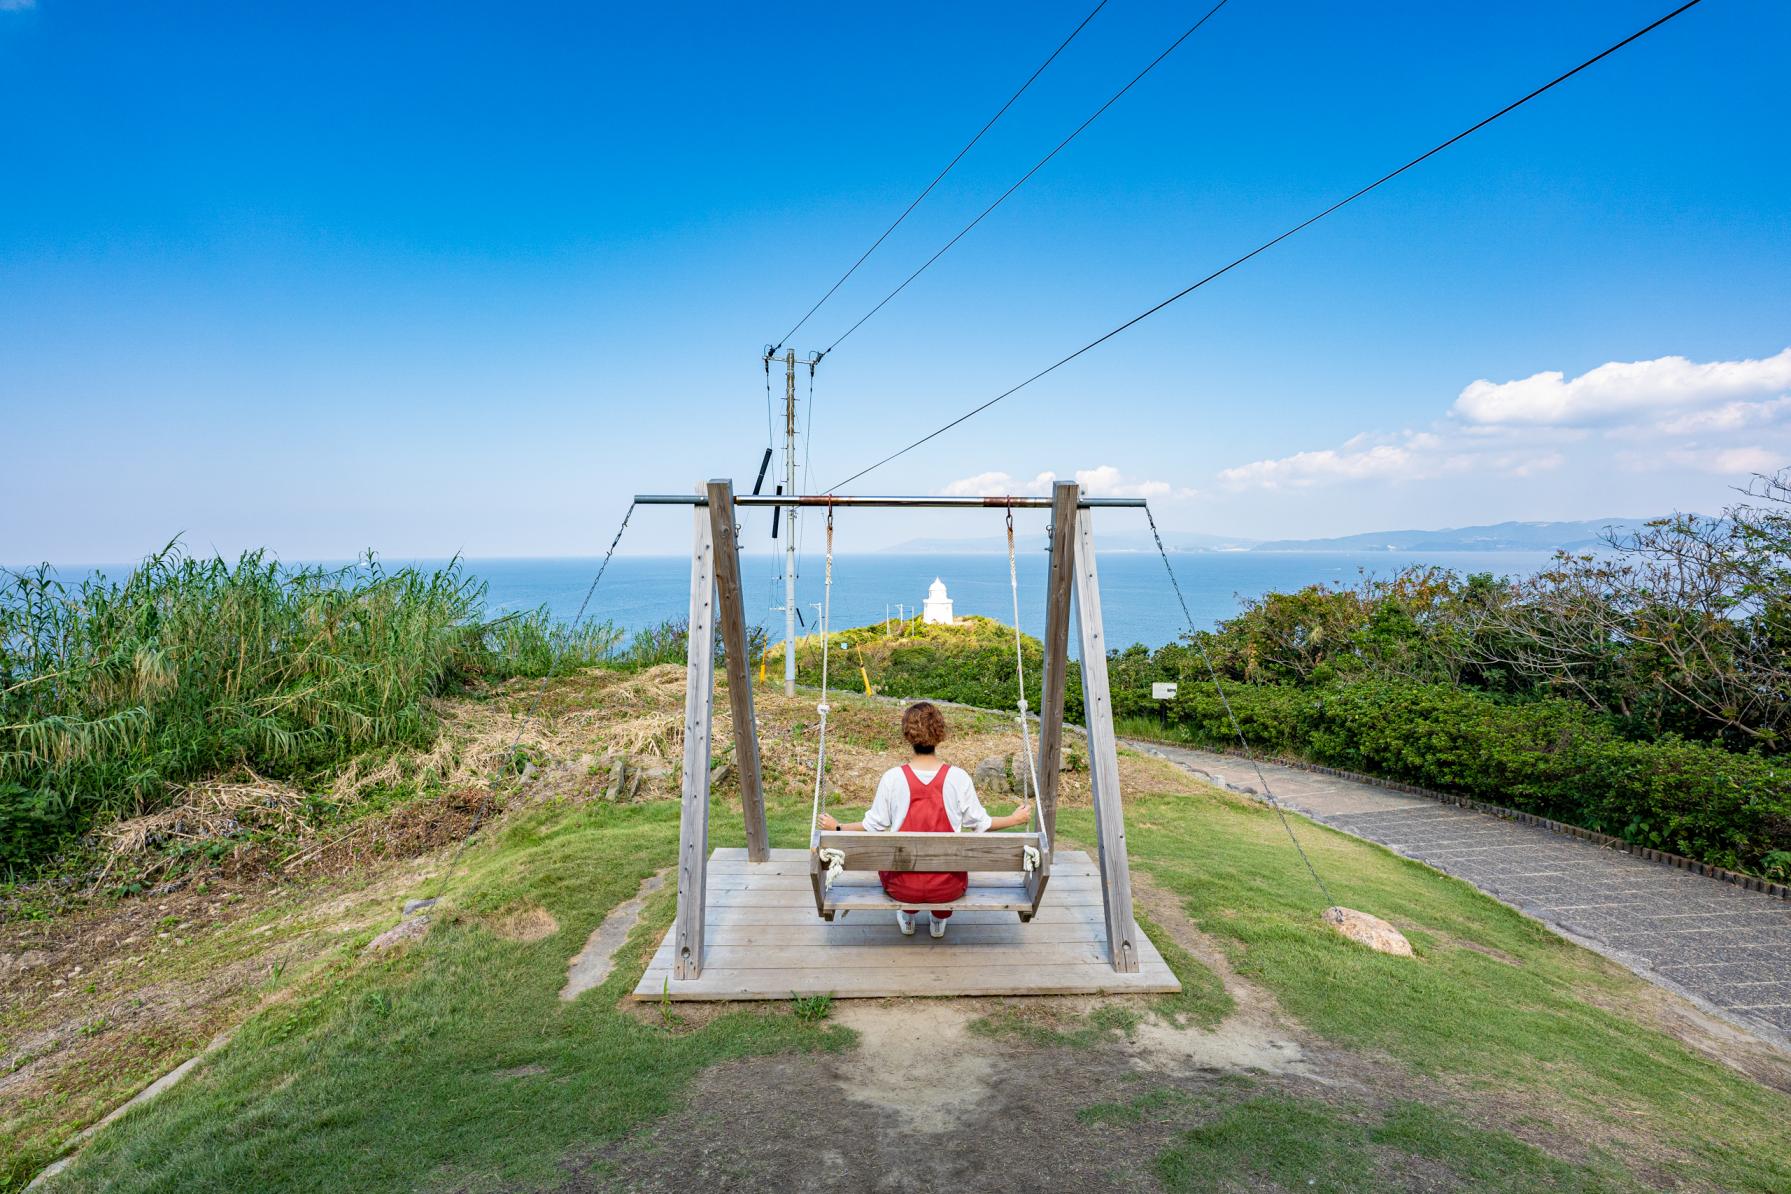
(937, 610)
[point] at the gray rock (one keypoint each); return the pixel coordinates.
(398, 934)
(414, 906)
(991, 778)
(618, 772)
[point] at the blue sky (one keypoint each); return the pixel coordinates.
(437, 277)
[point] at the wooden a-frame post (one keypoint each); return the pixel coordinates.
(715, 598)
(1103, 755)
(1059, 583)
(699, 709)
(732, 609)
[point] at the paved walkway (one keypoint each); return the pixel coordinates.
(1726, 948)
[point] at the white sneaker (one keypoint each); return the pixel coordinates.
(905, 922)
(936, 925)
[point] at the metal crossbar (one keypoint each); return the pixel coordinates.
(916, 502)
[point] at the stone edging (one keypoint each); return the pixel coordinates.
(1750, 882)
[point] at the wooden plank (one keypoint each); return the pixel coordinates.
(866, 929)
(720, 887)
(699, 696)
(896, 954)
(760, 913)
(930, 851)
(991, 895)
(792, 870)
(731, 611)
(1103, 754)
(721, 872)
(882, 984)
(959, 964)
(1007, 898)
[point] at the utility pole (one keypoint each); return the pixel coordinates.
(789, 488)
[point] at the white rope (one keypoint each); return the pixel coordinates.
(1032, 767)
(814, 820)
(1030, 859)
(835, 862)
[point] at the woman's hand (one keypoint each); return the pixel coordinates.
(1022, 814)
(827, 821)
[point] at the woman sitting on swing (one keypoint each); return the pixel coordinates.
(927, 796)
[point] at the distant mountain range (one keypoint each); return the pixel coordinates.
(1503, 536)
(1107, 541)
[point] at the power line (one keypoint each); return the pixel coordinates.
(962, 232)
(1269, 244)
(1002, 111)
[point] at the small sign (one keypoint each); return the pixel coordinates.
(1162, 692)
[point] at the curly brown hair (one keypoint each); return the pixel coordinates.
(923, 725)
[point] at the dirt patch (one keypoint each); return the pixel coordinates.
(918, 1066)
(925, 1101)
(533, 923)
(844, 1122)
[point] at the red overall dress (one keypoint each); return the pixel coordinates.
(926, 814)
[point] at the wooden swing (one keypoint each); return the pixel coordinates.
(1021, 860)
(1009, 872)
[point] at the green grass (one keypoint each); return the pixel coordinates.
(1307, 1144)
(811, 1008)
(454, 1064)
(1536, 1023)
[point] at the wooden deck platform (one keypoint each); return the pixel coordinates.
(766, 942)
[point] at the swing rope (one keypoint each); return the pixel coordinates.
(834, 860)
(1236, 728)
(814, 820)
(1032, 767)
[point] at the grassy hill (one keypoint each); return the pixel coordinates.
(1501, 1057)
(970, 662)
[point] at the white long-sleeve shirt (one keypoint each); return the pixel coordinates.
(962, 807)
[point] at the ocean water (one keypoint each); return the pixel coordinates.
(1137, 602)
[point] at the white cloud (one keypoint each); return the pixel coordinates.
(1101, 481)
(1730, 418)
(1411, 456)
(1622, 391)
(999, 483)
(16, 5)
(1107, 481)
(1723, 462)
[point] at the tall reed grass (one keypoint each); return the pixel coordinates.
(111, 691)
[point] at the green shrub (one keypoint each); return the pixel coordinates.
(970, 662)
(1552, 757)
(113, 691)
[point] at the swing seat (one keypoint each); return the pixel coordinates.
(999, 880)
